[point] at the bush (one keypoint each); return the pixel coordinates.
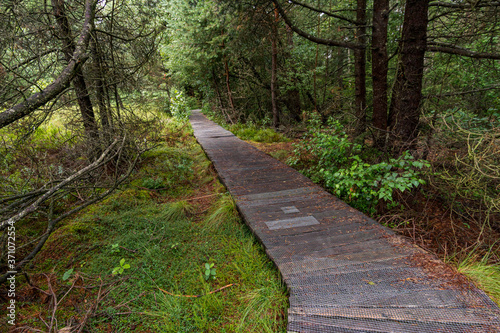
(179, 106)
(470, 177)
(327, 156)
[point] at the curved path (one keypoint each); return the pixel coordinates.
(344, 271)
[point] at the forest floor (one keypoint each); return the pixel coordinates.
(136, 262)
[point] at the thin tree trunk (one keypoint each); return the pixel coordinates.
(360, 67)
(226, 73)
(341, 57)
(228, 86)
(274, 68)
(379, 70)
(99, 86)
(220, 100)
(404, 112)
(217, 90)
(82, 94)
(315, 88)
(292, 100)
(118, 103)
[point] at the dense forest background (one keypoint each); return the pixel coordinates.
(401, 100)
(392, 106)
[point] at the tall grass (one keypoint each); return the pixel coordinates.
(484, 272)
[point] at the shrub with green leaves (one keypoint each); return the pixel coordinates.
(179, 106)
(327, 156)
(363, 184)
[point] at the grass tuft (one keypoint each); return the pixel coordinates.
(259, 303)
(223, 211)
(179, 210)
(485, 274)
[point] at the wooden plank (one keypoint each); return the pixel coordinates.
(296, 222)
(460, 316)
(312, 324)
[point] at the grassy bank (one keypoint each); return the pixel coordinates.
(136, 261)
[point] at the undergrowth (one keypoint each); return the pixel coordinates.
(136, 261)
(256, 133)
(350, 171)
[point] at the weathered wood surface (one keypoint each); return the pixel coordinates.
(345, 272)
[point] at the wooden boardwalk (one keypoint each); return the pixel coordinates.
(345, 272)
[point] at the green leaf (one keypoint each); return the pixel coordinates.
(122, 262)
(126, 266)
(207, 266)
(67, 274)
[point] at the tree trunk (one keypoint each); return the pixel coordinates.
(217, 91)
(379, 70)
(99, 87)
(274, 68)
(86, 109)
(342, 58)
(228, 86)
(82, 95)
(292, 100)
(360, 67)
(404, 112)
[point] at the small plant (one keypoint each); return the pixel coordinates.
(209, 271)
(115, 248)
(68, 274)
(120, 269)
(153, 183)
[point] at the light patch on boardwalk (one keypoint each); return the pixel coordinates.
(292, 223)
(290, 210)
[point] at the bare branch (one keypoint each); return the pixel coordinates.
(52, 223)
(123, 38)
(464, 5)
(457, 50)
(324, 12)
(329, 42)
(56, 188)
(27, 61)
(461, 93)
